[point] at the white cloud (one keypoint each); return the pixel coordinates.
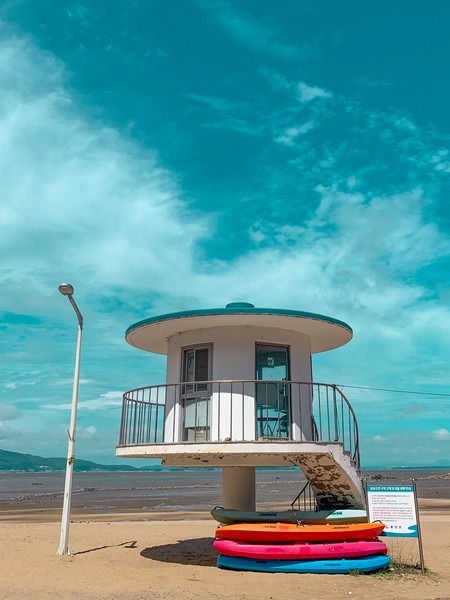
(7, 434)
(214, 102)
(236, 124)
(396, 449)
(87, 433)
(413, 409)
(8, 412)
(231, 115)
(277, 81)
(442, 435)
(290, 134)
(33, 378)
(92, 443)
(441, 160)
(257, 234)
(76, 196)
(311, 92)
(69, 382)
(340, 256)
(108, 213)
(257, 36)
(107, 400)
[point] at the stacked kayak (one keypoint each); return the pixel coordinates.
(301, 548)
(321, 517)
(288, 532)
(369, 564)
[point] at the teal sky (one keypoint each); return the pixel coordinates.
(169, 155)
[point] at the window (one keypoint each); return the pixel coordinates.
(272, 394)
(196, 396)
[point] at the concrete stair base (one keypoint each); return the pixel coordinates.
(334, 479)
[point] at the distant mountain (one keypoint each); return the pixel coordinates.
(15, 461)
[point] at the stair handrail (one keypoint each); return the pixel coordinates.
(354, 455)
(311, 503)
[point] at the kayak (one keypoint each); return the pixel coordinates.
(230, 516)
(288, 532)
(303, 551)
(368, 564)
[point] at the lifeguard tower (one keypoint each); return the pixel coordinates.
(239, 393)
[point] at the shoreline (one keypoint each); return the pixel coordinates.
(36, 514)
(53, 515)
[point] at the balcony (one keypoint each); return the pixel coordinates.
(241, 414)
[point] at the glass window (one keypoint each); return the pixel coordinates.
(202, 364)
(272, 362)
(196, 396)
(272, 394)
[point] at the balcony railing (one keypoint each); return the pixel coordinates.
(236, 411)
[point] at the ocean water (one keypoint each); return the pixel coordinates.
(177, 490)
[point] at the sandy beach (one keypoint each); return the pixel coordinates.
(171, 556)
(125, 547)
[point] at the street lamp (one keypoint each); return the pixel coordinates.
(67, 290)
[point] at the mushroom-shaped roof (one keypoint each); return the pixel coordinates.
(152, 334)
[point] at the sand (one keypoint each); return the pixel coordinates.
(166, 559)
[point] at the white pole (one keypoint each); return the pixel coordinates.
(65, 520)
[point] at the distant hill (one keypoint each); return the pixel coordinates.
(15, 461)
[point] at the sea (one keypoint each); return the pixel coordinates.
(184, 490)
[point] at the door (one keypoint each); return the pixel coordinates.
(273, 406)
(195, 396)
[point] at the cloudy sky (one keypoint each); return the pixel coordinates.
(178, 154)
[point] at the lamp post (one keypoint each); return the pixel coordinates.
(67, 290)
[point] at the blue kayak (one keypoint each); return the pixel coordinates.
(368, 564)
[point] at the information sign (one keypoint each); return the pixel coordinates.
(393, 505)
(396, 506)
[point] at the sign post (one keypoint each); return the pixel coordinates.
(396, 506)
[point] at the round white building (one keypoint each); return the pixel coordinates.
(239, 393)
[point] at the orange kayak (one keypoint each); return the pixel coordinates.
(288, 532)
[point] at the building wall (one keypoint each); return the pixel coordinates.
(233, 358)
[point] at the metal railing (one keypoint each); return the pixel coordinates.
(305, 499)
(235, 411)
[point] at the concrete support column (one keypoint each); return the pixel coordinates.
(239, 488)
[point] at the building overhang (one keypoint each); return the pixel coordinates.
(226, 454)
(324, 332)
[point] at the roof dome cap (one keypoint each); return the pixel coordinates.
(240, 305)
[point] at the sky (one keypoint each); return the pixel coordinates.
(165, 155)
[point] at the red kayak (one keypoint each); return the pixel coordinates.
(287, 532)
(301, 551)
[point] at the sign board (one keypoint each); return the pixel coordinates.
(395, 506)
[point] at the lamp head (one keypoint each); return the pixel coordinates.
(66, 289)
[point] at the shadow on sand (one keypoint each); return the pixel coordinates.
(199, 551)
(131, 544)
